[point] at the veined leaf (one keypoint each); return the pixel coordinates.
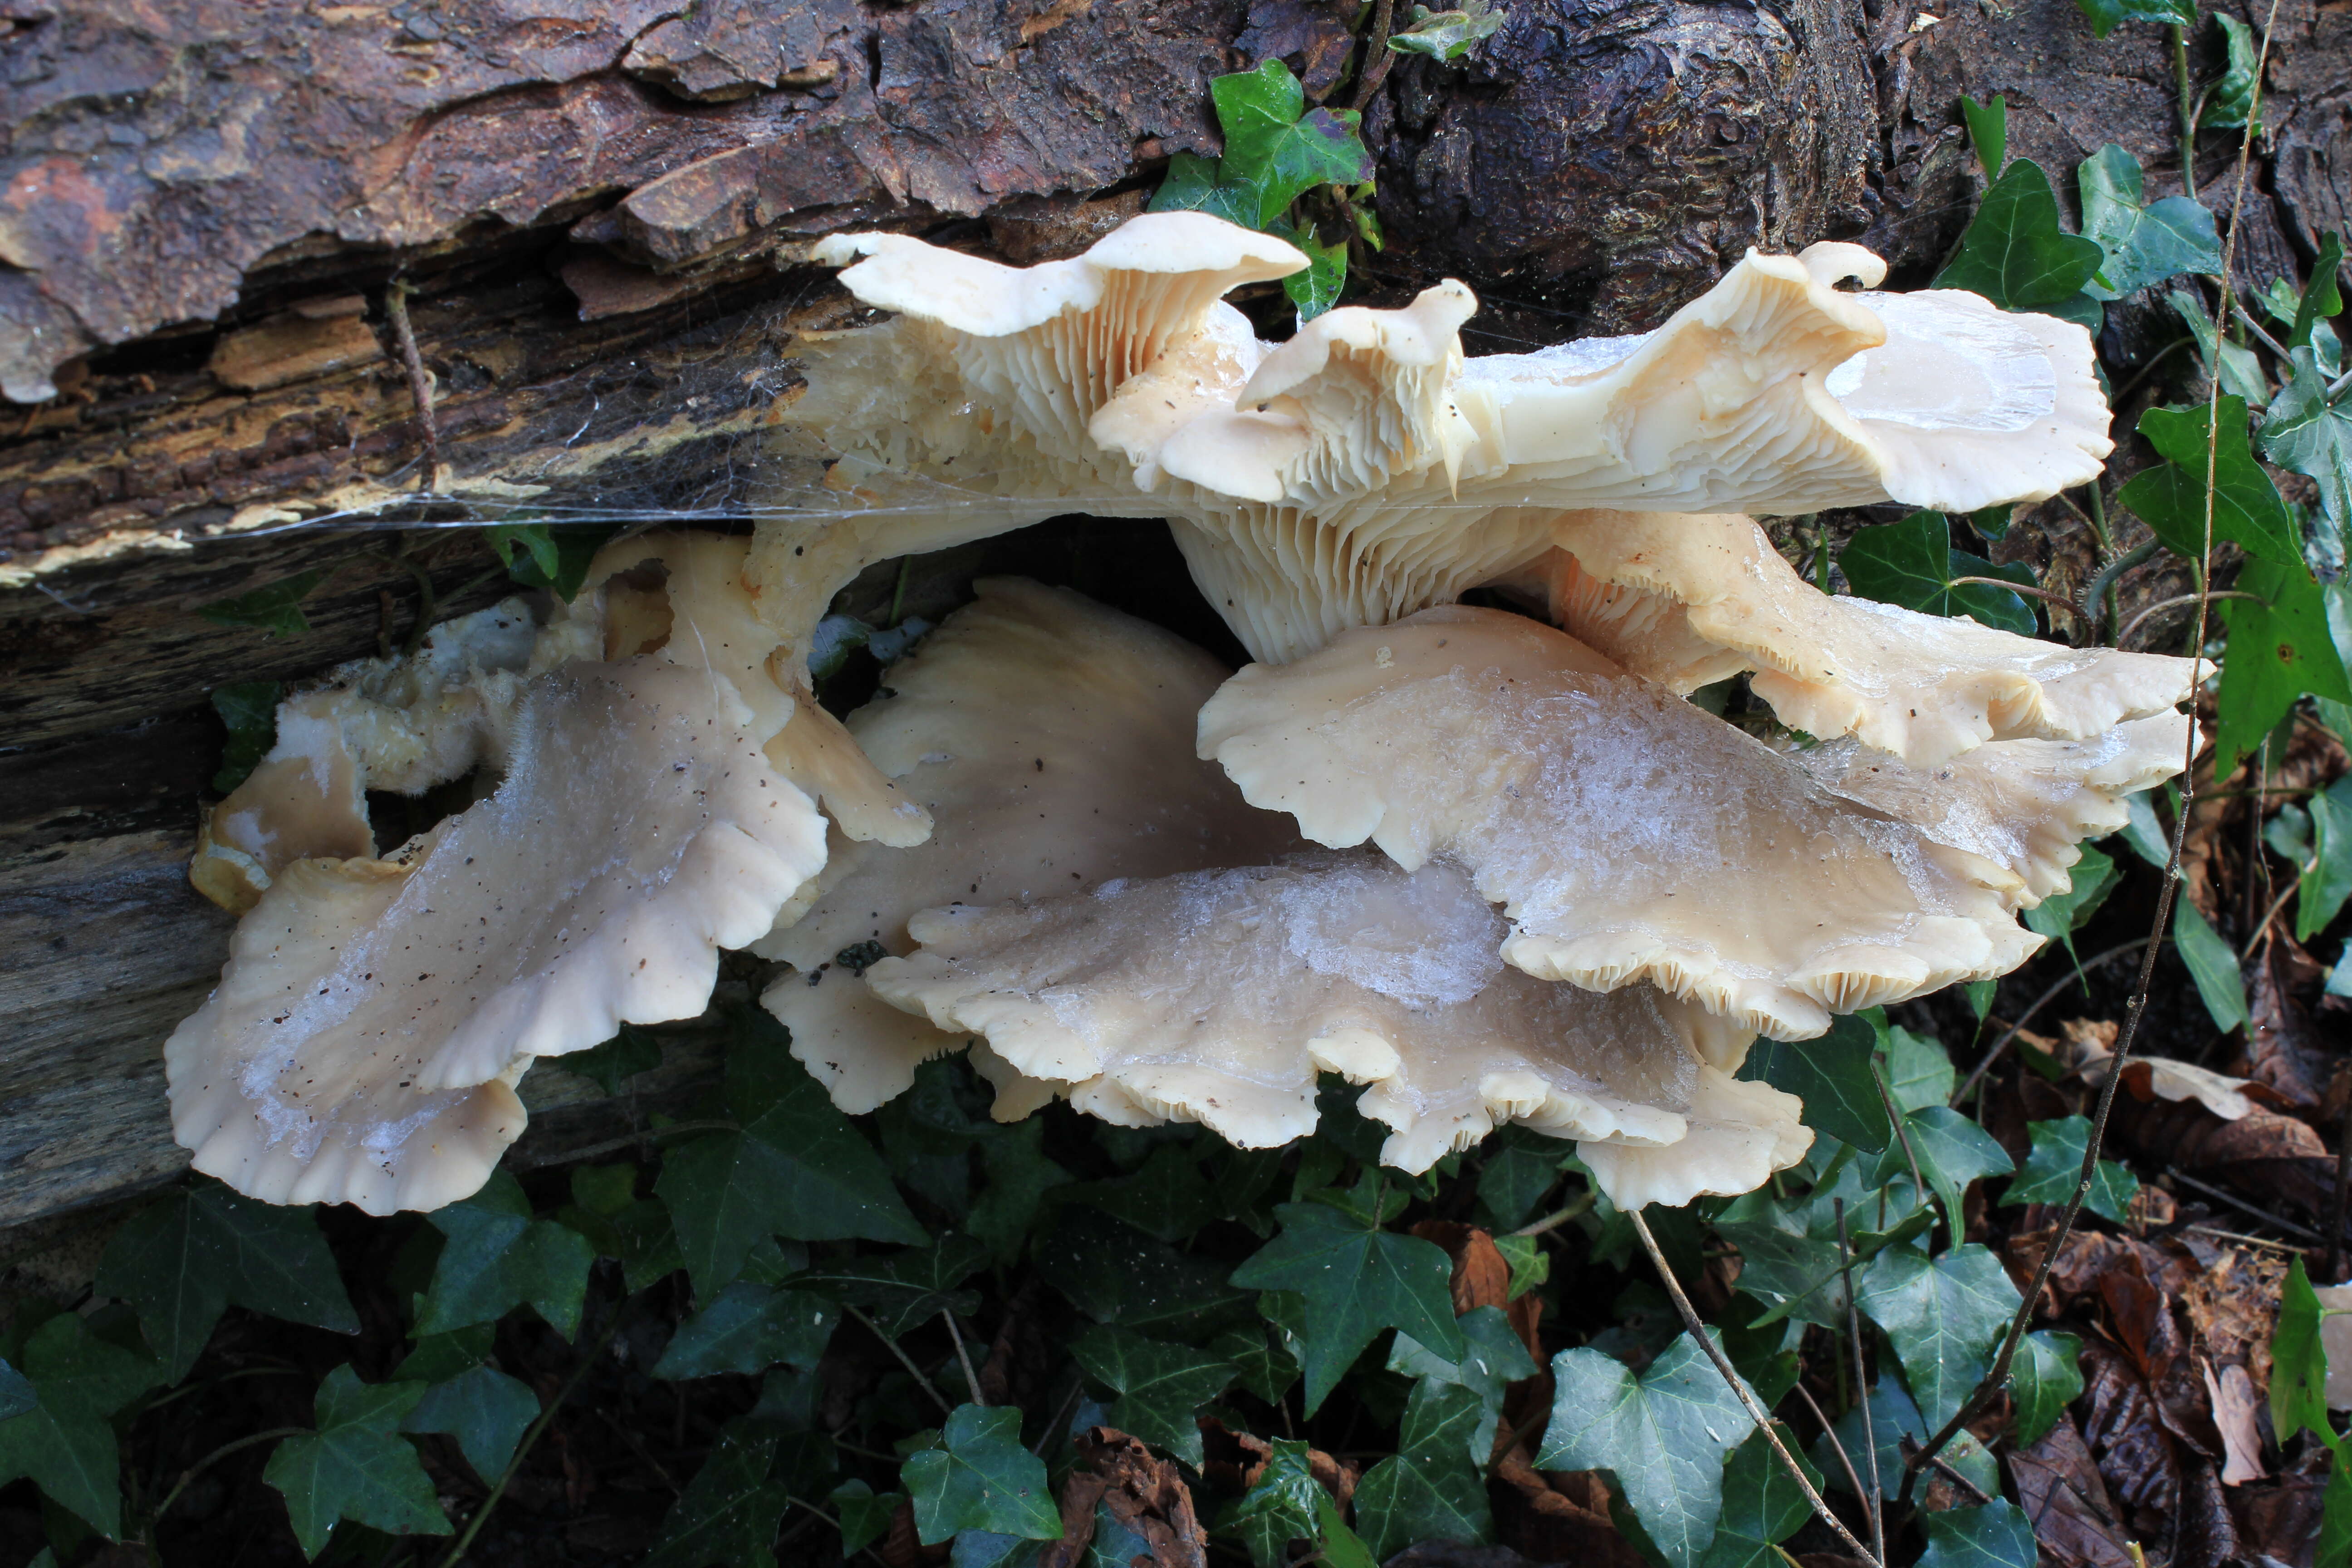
(356, 1466)
(1942, 1315)
(1762, 1506)
(487, 1411)
(1494, 1359)
(2232, 98)
(63, 1444)
(748, 1328)
(1912, 564)
(1279, 1508)
(2061, 915)
(274, 609)
(1831, 1076)
(1429, 1489)
(1988, 131)
(2234, 364)
(2329, 879)
(498, 1258)
(1277, 146)
(1664, 1433)
(2044, 1379)
(2106, 15)
(2298, 1388)
(2054, 1166)
(730, 1511)
(981, 1478)
(2015, 253)
(1996, 1535)
(2280, 648)
(1448, 36)
(2212, 965)
(2305, 433)
(2170, 497)
(2144, 243)
(1357, 1280)
(1160, 1387)
(249, 709)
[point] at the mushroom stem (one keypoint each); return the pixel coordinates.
(1755, 1411)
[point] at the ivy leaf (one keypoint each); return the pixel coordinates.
(1115, 1274)
(1341, 1547)
(487, 1411)
(514, 544)
(1195, 184)
(1912, 564)
(865, 1514)
(1831, 1076)
(1919, 1070)
(1448, 36)
(1662, 1434)
(354, 1465)
(2015, 253)
(1530, 1264)
(1019, 1177)
(1762, 1506)
(1942, 1315)
(16, 1395)
(634, 1231)
(1952, 1151)
(981, 1478)
(63, 1444)
(2105, 16)
(184, 1258)
(1518, 1169)
(1166, 1197)
(1357, 1280)
(1279, 1508)
(2305, 434)
(541, 556)
(609, 1066)
(905, 1288)
(2061, 915)
(249, 709)
(797, 1169)
(2212, 965)
(2281, 648)
(274, 609)
(1996, 1535)
(1494, 1358)
(2328, 881)
(2144, 244)
(1160, 1386)
(2299, 1361)
(750, 1328)
(1893, 1417)
(1987, 130)
(1317, 289)
(2044, 1379)
(2322, 297)
(730, 1511)
(2232, 98)
(2234, 364)
(1429, 1489)
(1766, 1356)
(1795, 1274)
(436, 1358)
(1264, 1368)
(2170, 497)
(498, 1258)
(2055, 1164)
(1277, 146)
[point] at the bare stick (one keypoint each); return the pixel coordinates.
(2026, 1017)
(2241, 1204)
(1887, 1099)
(1845, 1461)
(1877, 1508)
(2333, 1265)
(1747, 1397)
(970, 1378)
(2044, 594)
(1997, 1377)
(420, 379)
(904, 1360)
(1969, 1488)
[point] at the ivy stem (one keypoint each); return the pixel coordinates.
(223, 1452)
(1747, 1397)
(2187, 110)
(2175, 603)
(1553, 1221)
(522, 1450)
(970, 1378)
(2101, 588)
(1902, 1136)
(1846, 1461)
(904, 1360)
(1877, 1499)
(2044, 594)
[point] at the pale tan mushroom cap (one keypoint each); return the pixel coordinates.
(636, 832)
(1631, 836)
(1218, 996)
(1686, 599)
(1051, 740)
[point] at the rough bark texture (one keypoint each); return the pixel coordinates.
(598, 214)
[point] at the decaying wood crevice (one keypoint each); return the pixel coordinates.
(598, 215)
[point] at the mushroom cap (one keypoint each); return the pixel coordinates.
(1686, 599)
(1217, 996)
(1051, 738)
(1631, 836)
(637, 831)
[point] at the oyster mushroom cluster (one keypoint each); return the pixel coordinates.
(1489, 866)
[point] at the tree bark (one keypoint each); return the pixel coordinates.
(598, 218)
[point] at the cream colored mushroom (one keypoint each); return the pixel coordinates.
(1688, 599)
(1629, 836)
(1366, 469)
(375, 1014)
(1051, 740)
(1217, 996)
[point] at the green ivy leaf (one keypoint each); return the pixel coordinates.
(1987, 130)
(436, 1358)
(2212, 965)
(2234, 364)
(2334, 1545)
(249, 709)
(63, 1444)
(1019, 1177)
(1831, 1076)
(487, 1411)
(798, 1169)
(2170, 497)
(2044, 1379)
(1166, 1197)
(1918, 1069)
(1518, 1169)
(1493, 1357)
(542, 555)
(16, 1395)
(2061, 915)
(356, 1466)
(1448, 36)
(1996, 1535)
(2280, 648)
(184, 1258)
(981, 1478)
(2232, 98)
(865, 1514)
(274, 609)
(1318, 287)
(1794, 1273)
(633, 1231)
(1115, 1274)
(1765, 1354)
(1277, 146)
(1195, 184)
(2105, 16)
(2323, 297)
(2329, 879)
(750, 1328)
(1429, 1489)
(2299, 1361)
(1263, 1368)
(631, 1051)
(2144, 244)
(1912, 564)
(1279, 1508)
(498, 1258)
(2015, 253)
(1664, 1434)
(1952, 1151)
(1341, 1547)
(907, 1288)
(1530, 1264)
(1357, 1280)
(730, 1511)
(1762, 1506)
(1160, 1387)
(1942, 1315)
(2305, 433)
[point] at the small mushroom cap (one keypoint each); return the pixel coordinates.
(1631, 836)
(636, 832)
(1051, 738)
(1217, 997)
(1686, 599)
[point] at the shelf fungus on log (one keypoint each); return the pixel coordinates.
(1051, 740)
(1218, 996)
(1366, 469)
(375, 1013)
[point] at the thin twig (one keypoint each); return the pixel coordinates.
(2332, 1265)
(1553, 1221)
(1756, 1412)
(420, 379)
(2060, 600)
(2167, 351)
(2262, 932)
(1876, 1503)
(2173, 604)
(223, 1452)
(1902, 1136)
(904, 1360)
(970, 1378)
(1061, 1414)
(1378, 55)
(2243, 1206)
(1996, 1378)
(522, 1449)
(1844, 1461)
(1993, 1054)
(1969, 1488)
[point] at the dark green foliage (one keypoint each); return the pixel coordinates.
(2016, 253)
(1431, 1489)
(1912, 564)
(274, 609)
(484, 1409)
(356, 1466)
(2055, 1166)
(1664, 1433)
(498, 1258)
(1831, 1076)
(249, 709)
(981, 1478)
